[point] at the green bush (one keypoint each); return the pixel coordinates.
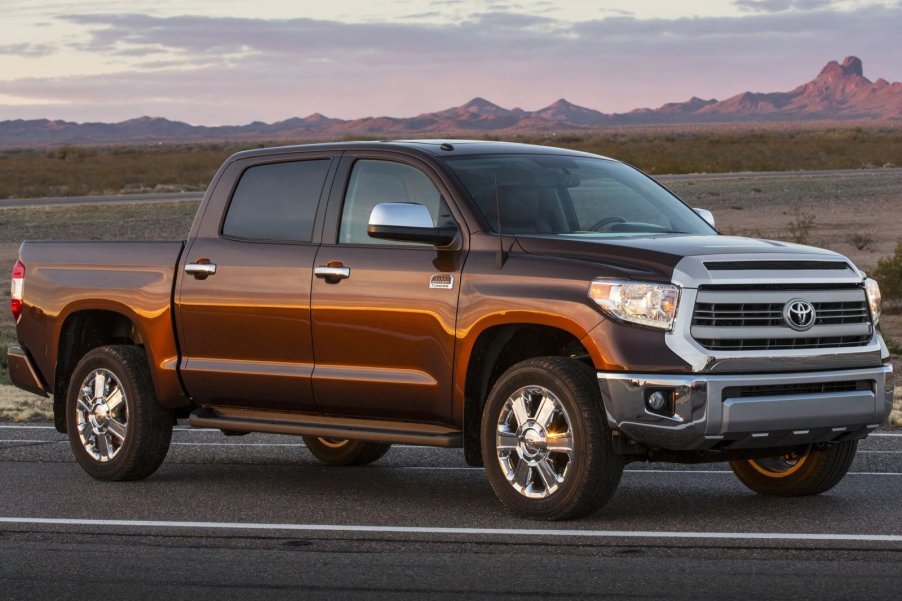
(889, 274)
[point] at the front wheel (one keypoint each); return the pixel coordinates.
(341, 451)
(117, 429)
(807, 472)
(546, 442)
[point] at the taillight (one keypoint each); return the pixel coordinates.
(17, 289)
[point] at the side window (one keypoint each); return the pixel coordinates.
(373, 182)
(276, 202)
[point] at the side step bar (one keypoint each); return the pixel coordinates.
(247, 420)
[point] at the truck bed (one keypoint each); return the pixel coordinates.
(67, 280)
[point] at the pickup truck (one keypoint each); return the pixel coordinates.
(556, 314)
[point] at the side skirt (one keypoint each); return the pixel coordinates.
(232, 420)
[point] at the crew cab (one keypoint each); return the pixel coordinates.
(556, 314)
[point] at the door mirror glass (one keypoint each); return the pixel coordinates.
(706, 215)
(407, 222)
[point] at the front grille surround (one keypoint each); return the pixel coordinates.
(752, 319)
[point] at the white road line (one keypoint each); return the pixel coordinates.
(531, 532)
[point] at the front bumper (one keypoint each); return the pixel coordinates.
(747, 411)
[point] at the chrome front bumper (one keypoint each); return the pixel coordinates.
(704, 416)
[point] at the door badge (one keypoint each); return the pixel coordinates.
(443, 281)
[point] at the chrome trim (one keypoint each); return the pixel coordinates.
(401, 214)
(340, 273)
(783, 296)
(200, 269)
(764, 332)
(690, 273)
(703, 417)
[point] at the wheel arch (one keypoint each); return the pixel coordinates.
(495, 349)
(85, 328)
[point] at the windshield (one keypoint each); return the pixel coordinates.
(571, 196)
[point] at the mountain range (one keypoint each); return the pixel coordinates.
(840, 92)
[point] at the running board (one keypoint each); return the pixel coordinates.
(274, 422)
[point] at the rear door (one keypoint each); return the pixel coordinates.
(384, 331)
(244, 329)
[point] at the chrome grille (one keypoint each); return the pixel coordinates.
(767, 344)
(752, 319)
(771, 314)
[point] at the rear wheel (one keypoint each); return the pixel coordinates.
(117, 429)
(546, 442)
(807, 472)
(341, 451)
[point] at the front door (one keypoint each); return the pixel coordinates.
(245, 329)
(384, 327)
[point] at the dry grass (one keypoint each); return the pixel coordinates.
(895, 418)
(88, 170)
(20, 406)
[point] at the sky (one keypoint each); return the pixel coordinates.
(218, 62)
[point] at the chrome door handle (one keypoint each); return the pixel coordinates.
(332, 273)
(200, 270)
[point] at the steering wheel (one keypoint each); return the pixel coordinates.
(596, 227)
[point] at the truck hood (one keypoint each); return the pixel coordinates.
(658, 255)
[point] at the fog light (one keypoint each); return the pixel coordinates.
(656, 401)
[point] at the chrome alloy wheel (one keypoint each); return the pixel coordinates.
(534, 442)
(102, 415)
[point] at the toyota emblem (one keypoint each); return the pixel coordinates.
(799, 314)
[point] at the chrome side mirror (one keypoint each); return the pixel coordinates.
(407, 222)
(706, 215)
(400, 214)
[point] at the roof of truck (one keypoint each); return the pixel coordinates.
(436, 147)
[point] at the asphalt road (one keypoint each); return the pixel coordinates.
(14, 203)
(256, 517)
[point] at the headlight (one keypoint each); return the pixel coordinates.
(649, 304)
(873, 292)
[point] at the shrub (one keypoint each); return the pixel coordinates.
(801, 225)
(860, 241)
(889, 274)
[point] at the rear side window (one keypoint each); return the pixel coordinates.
(276, 202)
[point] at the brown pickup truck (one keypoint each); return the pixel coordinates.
(555, 313)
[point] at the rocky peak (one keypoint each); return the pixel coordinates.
(481, 106)
(835, 72)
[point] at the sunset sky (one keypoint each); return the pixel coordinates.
(229, 62)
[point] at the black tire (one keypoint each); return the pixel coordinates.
(583, 479)
(332, 451)
(809, 473)
(148, 425)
